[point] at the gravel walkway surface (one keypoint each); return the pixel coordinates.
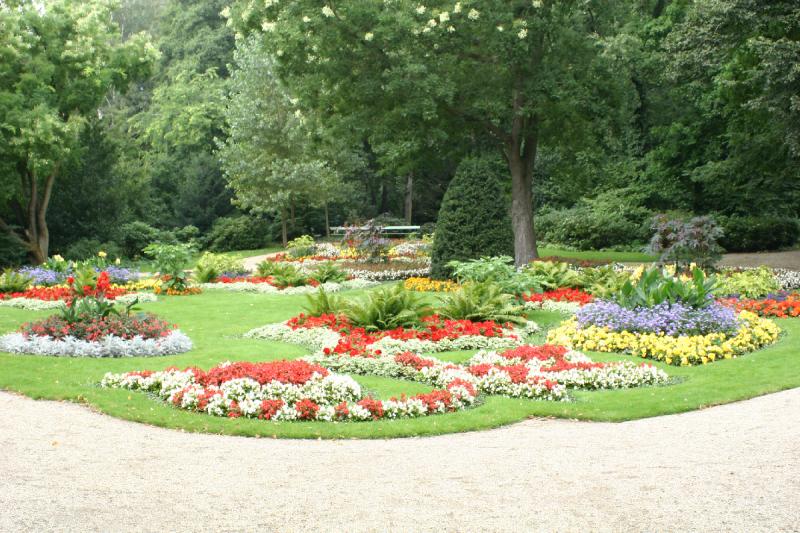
(789, 259)
(729, 468)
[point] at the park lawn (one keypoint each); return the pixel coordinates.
(215, 320)
(596, 255)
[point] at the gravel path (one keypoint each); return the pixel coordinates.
(250, 263)
(729, 468)
(789, 259)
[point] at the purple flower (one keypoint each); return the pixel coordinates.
(670, 319)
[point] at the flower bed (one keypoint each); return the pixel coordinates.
(308, 390)
(285, 390)
(780, 305)
(34, 304)
(334, 335)
(668, 319)
(567, 301)
(752, 333)
(430, 285)
(534, 372)
(108, 346)
(265, 286)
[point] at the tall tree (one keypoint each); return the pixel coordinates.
(59, 60)
(513, 73)
(270, 156)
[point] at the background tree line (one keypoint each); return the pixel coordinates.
(241, 123)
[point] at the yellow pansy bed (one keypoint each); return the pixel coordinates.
(144, 284)
(753, 333)
(428, 284)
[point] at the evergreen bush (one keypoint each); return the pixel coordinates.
(474, 217)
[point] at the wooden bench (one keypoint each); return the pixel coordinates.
(389, 231)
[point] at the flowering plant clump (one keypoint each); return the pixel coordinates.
(89, 324)
(564, 300)
(333, 334)
(663, 318)
(265, 285)
(752, 333)
(285, 390)
(430, 285)
(308, 390)
(779, 305)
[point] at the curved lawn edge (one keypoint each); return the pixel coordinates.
(770, 370)
(217, 339)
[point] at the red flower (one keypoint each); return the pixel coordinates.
(307, 409)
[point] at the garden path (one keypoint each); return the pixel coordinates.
(789, 259)
(730, 468)
(250, 263)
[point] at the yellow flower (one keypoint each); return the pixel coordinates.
(102, 254)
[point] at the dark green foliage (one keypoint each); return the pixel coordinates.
(388, 308)
(239, 233)
(480, 302)
(134, 236)
(87, 248)
(328, 272)
(12, 281)
(473, 220)
(757, 233)
(613, 219)
(324, 303)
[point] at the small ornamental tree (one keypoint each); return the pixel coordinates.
(686, 242)
(473, 220)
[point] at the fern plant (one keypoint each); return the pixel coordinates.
(324, 303)
(553, 275)
(388, 308)
(268, 268)
(11, 281)
(480, 302)
(328, 272)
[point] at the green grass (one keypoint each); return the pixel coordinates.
(592, 255)
(216, 320)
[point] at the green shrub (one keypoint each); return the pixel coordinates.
(480, 302)
(603, 281)
(497, 270)
(755, 283)
(239, 233)
(553, 275)
(301, 246)
(88, 248)
(473, 219)
(758, 233)
(268, 268)
(11, 251)
(134, 236)
(613, 219)
(323, 303)
(328, 272)
(171, 260)
(290, 279)
(11, 281)
(211, 265)
(388, 308)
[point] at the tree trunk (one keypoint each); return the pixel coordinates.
(291, 212)
(521, 154)
(35, 237)
(327, 221)
(409, 200)
(284, 229)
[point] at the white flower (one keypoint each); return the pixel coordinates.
(522, 33)
(306, 19)
(473, 14)
(432, 23)
(500, 28)
(444, 16)
(420, 9)
(451, 29)
(267, 26)
(368, 36)
(327, 11)
(226, 12)
(537, 3)
(457, 7)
